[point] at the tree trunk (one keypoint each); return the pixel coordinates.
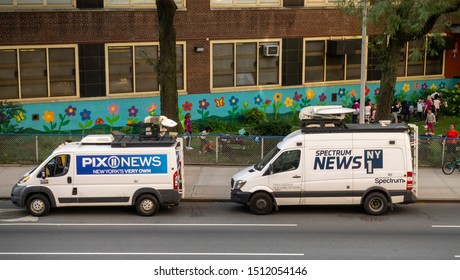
(389, 68)
(166, 10)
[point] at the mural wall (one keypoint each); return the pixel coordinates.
(86, 116)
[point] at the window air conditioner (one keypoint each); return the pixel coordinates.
(271, 50)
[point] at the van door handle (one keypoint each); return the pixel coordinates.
(296, 176)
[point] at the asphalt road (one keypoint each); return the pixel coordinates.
(221, 230)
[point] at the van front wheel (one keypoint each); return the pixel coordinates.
(261, 204)
(375, 204)
(147, 205)
(38, 205)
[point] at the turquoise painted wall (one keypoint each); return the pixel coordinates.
(82, 116)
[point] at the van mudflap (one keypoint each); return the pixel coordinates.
(409, 198)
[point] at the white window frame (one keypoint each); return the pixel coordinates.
(15, 4)
(259, 43)
(149, 93)
(235, 4)
(132, 4)
(47, 48)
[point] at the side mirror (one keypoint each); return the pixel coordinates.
(43, 174)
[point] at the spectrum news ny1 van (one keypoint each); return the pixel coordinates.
(144, 171)
(329, 162)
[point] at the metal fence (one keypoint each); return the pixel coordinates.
(224, 150)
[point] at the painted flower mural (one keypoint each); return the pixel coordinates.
(234, 111)
(322, 99)
(70, 111)
(86, 117)
(276, 104)
(114, 117)
(203, 111)
(132, 114)
(258, 100)
(151, 109)
(49, 118)
(187, 106)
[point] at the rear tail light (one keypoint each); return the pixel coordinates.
(410, 181)
(175, 181)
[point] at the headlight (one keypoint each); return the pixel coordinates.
(24, 179)
(239, 184)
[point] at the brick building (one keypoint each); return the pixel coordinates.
(96, 53)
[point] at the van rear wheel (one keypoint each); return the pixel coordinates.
(38, 205)
(375, 204)
(261, 203)
(147, 205)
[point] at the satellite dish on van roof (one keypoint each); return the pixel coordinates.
(324, 112)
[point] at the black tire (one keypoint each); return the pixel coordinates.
(147, 205)
(375, 204)
(261, 203)
(38, 205)
(448, 168)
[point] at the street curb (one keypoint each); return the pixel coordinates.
(441, 200)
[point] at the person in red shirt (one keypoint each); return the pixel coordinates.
(452, 139)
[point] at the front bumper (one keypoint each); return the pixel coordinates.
(239, 196)
(16, 195)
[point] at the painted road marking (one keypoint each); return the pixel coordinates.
(151, 225)
(445, 226)
(148, 254)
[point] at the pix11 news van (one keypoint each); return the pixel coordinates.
(329, 162)
(144, 171)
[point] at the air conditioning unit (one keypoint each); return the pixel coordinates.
(271, 50)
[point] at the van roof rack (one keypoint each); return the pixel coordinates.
(129, 141)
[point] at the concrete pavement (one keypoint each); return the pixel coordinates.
(212, 183)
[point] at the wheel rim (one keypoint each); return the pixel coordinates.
(37, 206)
(376, 204)
(147, 205)
(261, 204)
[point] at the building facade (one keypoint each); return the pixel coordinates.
(79, 65)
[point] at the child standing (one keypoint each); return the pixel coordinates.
(188, 130)
(430, 121)
(420, 109)
(204, 143)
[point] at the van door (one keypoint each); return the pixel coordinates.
(329, 171)
(57, 175)
(286, 177)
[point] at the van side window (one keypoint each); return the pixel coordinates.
(287, 161)
(57, 166)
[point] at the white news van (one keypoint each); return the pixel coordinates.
(328, 162)
(144, 171)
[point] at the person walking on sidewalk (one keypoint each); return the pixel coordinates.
(188, 130)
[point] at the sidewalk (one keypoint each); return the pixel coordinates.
(212, 183)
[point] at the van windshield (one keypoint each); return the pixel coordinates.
(261, 164)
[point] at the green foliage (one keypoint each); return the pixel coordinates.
(8, 112)
(274, 128)
(255, 116)
(452, 97)
(217, 126)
